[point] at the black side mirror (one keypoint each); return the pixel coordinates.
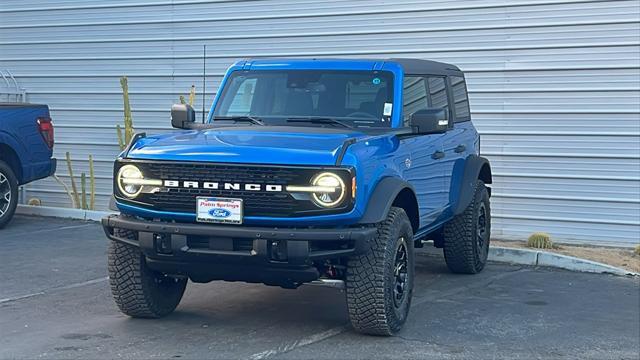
(430, 121)
(182, 115)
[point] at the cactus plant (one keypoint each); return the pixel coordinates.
(540, 240)
(124, 137)
(66, 189)
(79, 199)
(74, 188)
(83, 187)
(92, 184)
(192, 95)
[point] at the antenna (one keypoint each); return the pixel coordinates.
(204, 75)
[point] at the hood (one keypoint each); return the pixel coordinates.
(247, 144)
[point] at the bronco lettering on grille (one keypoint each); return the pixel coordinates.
(224, 186)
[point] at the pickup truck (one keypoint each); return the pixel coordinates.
(319, 171)
(26, 149)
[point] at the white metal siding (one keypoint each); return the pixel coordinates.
(554, 85)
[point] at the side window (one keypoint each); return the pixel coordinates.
(438, 92)
(460, 98)
(242, 99)
(414, 96)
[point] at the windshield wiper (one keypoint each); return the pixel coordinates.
(319, 120)
(242, 118)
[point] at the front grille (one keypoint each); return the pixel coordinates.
(255, 203)
(221, 173)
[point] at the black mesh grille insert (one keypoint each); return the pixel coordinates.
(256, 203)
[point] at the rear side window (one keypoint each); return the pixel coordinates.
(423, 92)
(414, 96)
(438, 93)
(460, 99)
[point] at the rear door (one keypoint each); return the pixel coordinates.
(458, 142)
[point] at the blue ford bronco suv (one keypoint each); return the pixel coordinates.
(325, 172)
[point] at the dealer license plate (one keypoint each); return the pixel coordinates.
(219, 210)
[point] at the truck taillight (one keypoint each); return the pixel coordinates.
(45, 126)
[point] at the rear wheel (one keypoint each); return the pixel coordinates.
(8, 194)
(380, 282)
(137, 290)
(467, 236)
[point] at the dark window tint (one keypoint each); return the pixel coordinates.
(460, 98)
(438, 93)
(423, 92)
(414, 96)
(361, 98)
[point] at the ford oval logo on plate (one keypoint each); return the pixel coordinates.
(220, 213)
(219, 210)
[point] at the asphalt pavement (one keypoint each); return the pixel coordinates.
(55, 304)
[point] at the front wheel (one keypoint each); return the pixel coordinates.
(8, 194)
(380, 283)
(467, 236)
(137, 290)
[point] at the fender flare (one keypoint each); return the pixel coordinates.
(475, 167)
(382, 198)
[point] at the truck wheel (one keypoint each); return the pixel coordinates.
(137, 290)
(8, 194)
(379, 284)
(467, 236)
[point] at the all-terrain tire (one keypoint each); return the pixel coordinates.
(8, 194)
(467, 236)
(372, 278)
(137, 290)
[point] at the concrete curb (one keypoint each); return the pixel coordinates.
(78, 214)
(545, 258)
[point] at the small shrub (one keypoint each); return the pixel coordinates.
(540, 240)
(34, 202)
(637, 250)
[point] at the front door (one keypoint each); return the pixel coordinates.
(426, 169)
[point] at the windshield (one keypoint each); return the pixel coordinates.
(309, 97)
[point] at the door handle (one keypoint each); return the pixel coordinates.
(437, 155)
(460, 148)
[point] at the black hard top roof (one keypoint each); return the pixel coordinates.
(410, 66)
(418, 66)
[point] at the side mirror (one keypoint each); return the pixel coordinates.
(181, 115)
(430, 121)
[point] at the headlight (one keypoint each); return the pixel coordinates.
(130, 181)
(330, 189)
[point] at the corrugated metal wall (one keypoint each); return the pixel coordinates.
(554, 85)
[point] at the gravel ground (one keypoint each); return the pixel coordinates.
(55, 303)
(624, 258)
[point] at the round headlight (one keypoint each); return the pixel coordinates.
(129, 177)
(333, 190)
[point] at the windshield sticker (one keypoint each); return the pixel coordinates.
(376, 81)
(387, 109)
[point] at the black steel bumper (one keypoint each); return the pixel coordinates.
(206, 252)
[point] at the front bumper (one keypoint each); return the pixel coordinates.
(206, 252)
